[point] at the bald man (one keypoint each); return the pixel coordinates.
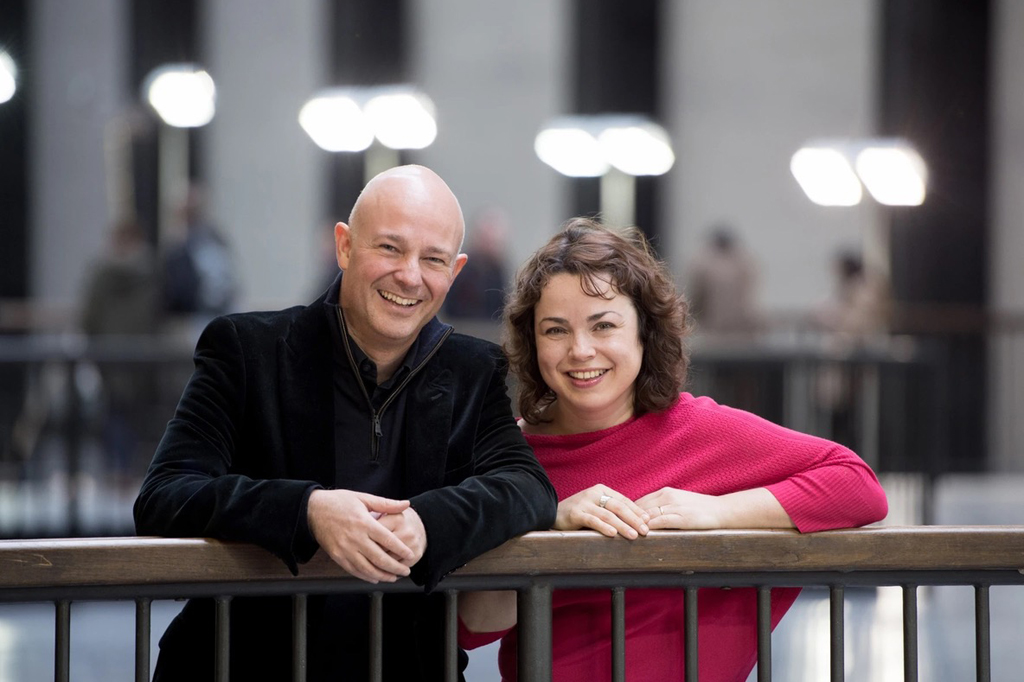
(360, 425)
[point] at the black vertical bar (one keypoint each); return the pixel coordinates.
(534, 607)
(982, 634)
(618, 634)
(142, 629)
(62, 644)
(910, 633)
(451, 635)
(222, 635)
(690, 633)
(73, 443)
(764, 634)
(299, 620)
(837, 633)
(376, 636)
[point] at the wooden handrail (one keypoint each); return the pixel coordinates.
(26, 564)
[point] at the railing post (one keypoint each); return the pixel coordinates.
(376, 636)
(910, 633)
(690, 635)
(451, 636)
(62, 643)
(222, 635)
(982, 634)
(837, 625)
(299, 634)
(142, 633)
(534, 607)
(618, 634)
(764, 634)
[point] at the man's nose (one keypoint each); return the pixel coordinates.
(409, 273)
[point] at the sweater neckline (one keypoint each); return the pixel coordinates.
(584, 436)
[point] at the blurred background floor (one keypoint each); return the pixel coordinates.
(102, 637)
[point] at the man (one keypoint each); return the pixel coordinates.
(360, 425)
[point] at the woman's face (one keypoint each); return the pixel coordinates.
(589, 352)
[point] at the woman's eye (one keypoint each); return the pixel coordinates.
(604, 326)
(554, 331)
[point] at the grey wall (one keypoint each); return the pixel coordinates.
(264, 173)
(496, 72)
(1006, 282)
(747, 83)
(79, 68)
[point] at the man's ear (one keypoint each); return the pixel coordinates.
(460, 261)
(342, 244)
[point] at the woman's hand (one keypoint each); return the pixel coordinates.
(671, 508)
(603, 509)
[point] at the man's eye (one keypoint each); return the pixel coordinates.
(388, 247)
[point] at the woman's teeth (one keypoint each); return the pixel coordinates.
(589, 374)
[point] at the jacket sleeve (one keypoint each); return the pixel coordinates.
(194, 488)
(507, 494)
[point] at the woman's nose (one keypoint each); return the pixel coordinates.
(582, 347)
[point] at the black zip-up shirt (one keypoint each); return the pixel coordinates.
(369, 429)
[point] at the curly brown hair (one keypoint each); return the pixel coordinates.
(590, 250)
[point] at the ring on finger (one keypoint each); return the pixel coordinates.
(661, 510)
(603, 501)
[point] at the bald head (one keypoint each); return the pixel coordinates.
(411, 186)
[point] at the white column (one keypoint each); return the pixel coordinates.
(496, 72)
(78, 71)
(746, 84)
(265, 176)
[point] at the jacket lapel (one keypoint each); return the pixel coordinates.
(428, 425)
(307, 398)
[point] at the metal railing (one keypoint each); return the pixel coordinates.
(143, 569)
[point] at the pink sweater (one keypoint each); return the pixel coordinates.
(704, 447)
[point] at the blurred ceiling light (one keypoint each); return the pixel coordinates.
(571, 151)
(8, 77)
(826, 177)
(402, 119)
(184, 95)
(335, 122)
(637, 149)
(588, 146)
(348, 119)
(894, 173)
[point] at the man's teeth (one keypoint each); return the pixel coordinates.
(394, 298)
(590, 374)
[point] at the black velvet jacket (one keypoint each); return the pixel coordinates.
(253, 436)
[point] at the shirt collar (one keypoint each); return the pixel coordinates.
(421, 346)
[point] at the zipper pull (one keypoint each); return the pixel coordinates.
(376, 426)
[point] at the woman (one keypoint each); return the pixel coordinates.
(596, 333)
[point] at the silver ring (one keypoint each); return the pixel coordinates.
(603, 501)
(660, 510)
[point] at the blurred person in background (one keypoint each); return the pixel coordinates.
(721, 286)
(360, 425)
(120, 301)
(856, 313)
(595, 333)
(198, 273)
(480, 290)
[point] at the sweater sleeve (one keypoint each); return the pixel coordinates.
(822, 485)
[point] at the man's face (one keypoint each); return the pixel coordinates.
(400, 257)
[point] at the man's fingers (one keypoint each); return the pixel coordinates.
(389, 542)
(383, 505)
